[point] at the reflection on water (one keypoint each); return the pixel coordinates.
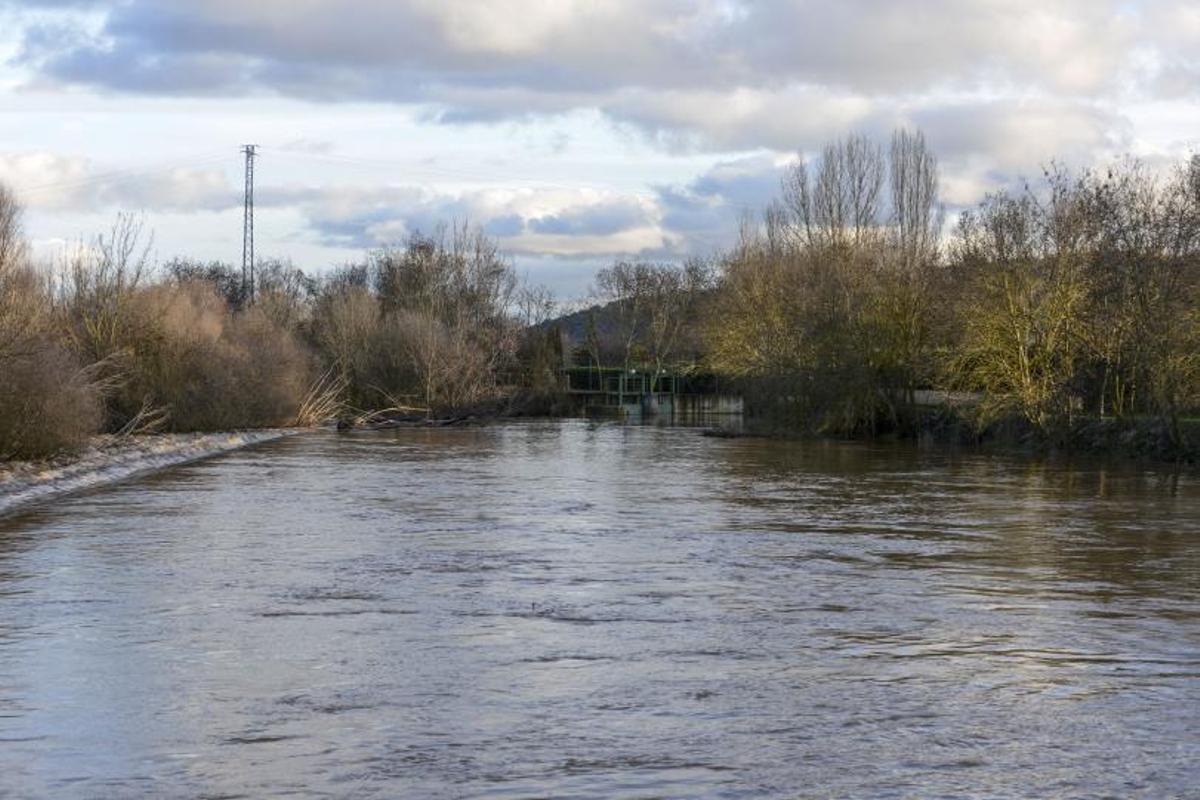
(582, 610)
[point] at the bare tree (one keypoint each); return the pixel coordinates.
(626, 287)
(674, 295)
(916, 216)
(591, 339)
(22, 295)
(1024, 316)
(838, 206)
(283, 292)
(447, 325)
(47, 404)
(534, 305)
(97, 282)
(12, 237)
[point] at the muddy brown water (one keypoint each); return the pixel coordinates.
(585, 610)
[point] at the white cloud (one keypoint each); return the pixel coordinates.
(553, 221)
(715, 74)
(731, 88)
(52, 182)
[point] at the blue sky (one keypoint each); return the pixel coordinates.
(574, 131)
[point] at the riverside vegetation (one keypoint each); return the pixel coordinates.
(1065, 314)
(109, 342)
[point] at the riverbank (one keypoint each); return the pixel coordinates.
(1138, 440)
(108, 459)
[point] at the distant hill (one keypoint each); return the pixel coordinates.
(574, 325)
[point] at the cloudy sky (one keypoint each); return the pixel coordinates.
(574, 131)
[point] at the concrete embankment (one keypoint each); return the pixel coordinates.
(109, 459)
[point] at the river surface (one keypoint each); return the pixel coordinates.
(578, 610)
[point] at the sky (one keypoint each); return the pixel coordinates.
(575, 132)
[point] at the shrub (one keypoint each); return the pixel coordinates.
(47, 404)
(429, 324)
(182, 349)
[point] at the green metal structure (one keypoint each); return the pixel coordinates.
(617, 388)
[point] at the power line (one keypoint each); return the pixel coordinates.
(469, 175)
(492, 177)
(119, 176)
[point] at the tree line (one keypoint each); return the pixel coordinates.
(1070, 301)
(107, 341)
(1061, 312)
(850, 306)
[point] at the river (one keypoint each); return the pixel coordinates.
(579, 610)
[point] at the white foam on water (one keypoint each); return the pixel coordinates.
(110, 460)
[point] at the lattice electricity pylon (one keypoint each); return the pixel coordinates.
(250, 151)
